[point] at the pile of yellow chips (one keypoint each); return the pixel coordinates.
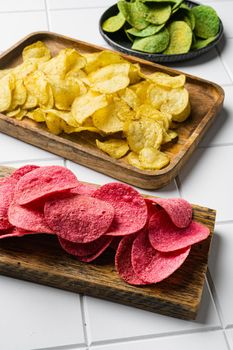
(97, 92)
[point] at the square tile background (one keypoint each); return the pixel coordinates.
(37, 317)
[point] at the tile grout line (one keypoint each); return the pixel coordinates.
(214, 295)
(228, 144)
(22, 11)
(154, 336)
(6, 163)
(84, 320)
(47, 15)
(78, 8)
(223, 63)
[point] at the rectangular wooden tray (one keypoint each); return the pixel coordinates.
(206, 100)
(40, 259)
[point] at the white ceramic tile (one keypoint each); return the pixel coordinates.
(221, 131)
(81, 24)
(208, 66)
(229, 334)
(220, 266)
(226, 52)
(13, 150)
(64, 4)
(37, 317)
(224, 10)
(19, 25)
(22, 5)
(126, 322)
(207, 180)
(201, 341)
(88, 175)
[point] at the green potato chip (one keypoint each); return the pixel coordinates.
(180, 38)
(129, 36)
(153, 44)
(176, 5)
(200, 43)
(207, 21)
(114, 23)
(150, 30)
(134, 12)
(184, 14)
(159, 13)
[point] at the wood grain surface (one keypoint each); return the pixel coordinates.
(40, 259)
(206, 100)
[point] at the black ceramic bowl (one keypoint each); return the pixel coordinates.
(120, 42)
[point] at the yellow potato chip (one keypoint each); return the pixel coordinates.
(37, 114)
(25, 68)
(70, 129)
(31, 102)
(106, 119)
(142, 133)
(110, 79)
(64, 91)
(19, 94)
(130, 97)
(60, 65)
(53, 123)
(152, 159)
(157, 95)
(132, 159)
(37, 51)
(13, 113)
(38, 86)
(18, 114)
(134, 73)
(166, 80)
(84, 106)
(115, 148)
(122, 109)
(177, 104)
(66, 116)
(101, 59)
(7, 84)
(141, 90)
(4, 72)
(21, 114)
(147, 110)
(169, 136)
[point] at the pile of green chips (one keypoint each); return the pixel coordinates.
(164, 26)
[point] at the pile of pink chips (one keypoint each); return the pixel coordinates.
(152, 236)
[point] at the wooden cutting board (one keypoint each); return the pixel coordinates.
(206, 100)
(40, 259)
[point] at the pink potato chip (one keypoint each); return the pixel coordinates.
(23, 170)
(153, 266)
(6, 195)
(42, 182)
(123, 262)
(166, 237)
(28, 218)
(79, 219)
(82, 188)
(130, 208)
(14, 232)
(86, 251)
(179, 210)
